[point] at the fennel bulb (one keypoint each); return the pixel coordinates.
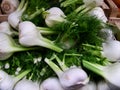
(30, 36)
(8, 46)
(107, 34)
(111, 50)
(25, 84)
(99, 13)
(90, 86)
(9, 6)
(51, 84)
(54, 11)
(5, 28)
(70, 78)
(51, 20)
(111, 46)
(73, 77)
(53, 16)
(14, 18)
(102, 85)
(111, 72)
(7, 82)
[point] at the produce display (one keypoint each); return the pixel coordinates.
(58, 45)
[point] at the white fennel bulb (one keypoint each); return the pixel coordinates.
(102, 85)
(9, 6)
(25, 84)
(5, 28)
(90, 86)
(7, 82)
(30, 36)
(14, 18)
(71, 78)
(51, 84)
(111, 46)
(51, 20)
(53, 16)
(8, 46)
(99, 13)
(55, 11)
(110, 72)
(111, 50)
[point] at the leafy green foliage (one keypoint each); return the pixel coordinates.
(78, 29)
(67, 3)
(81, 29)
(70, 5)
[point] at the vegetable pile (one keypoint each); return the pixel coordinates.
(58, 45)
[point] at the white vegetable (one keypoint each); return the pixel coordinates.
(111, 72)
(111, 46)
(51, 84)
(53, 16)
(111, 50)
(25, 84)
(51, 20)
(46, 31)
(55, 11)
(8, 46)
(30, 36)
(73, 77)
(70, 78)
(102, 85)
(99, 13)
(107, 34)
(15, 17)
(5, 28)
(9, 6)
(7, 82)
(90, 86)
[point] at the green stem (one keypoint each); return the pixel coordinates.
(94, 52)
(44, 30)
(68, 2)
(21, 5)
(54, 67)
(61, 63)
(15, 33)
(67, 33)
(23, 74)
(82, 7)
(96, 68)
(20, 48)
(44, 42)
(43, 71)
(88, 8)
(92, 46)
(24, 7)
(32, 16)
(106, 62)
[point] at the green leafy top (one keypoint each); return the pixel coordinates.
(78, 29)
